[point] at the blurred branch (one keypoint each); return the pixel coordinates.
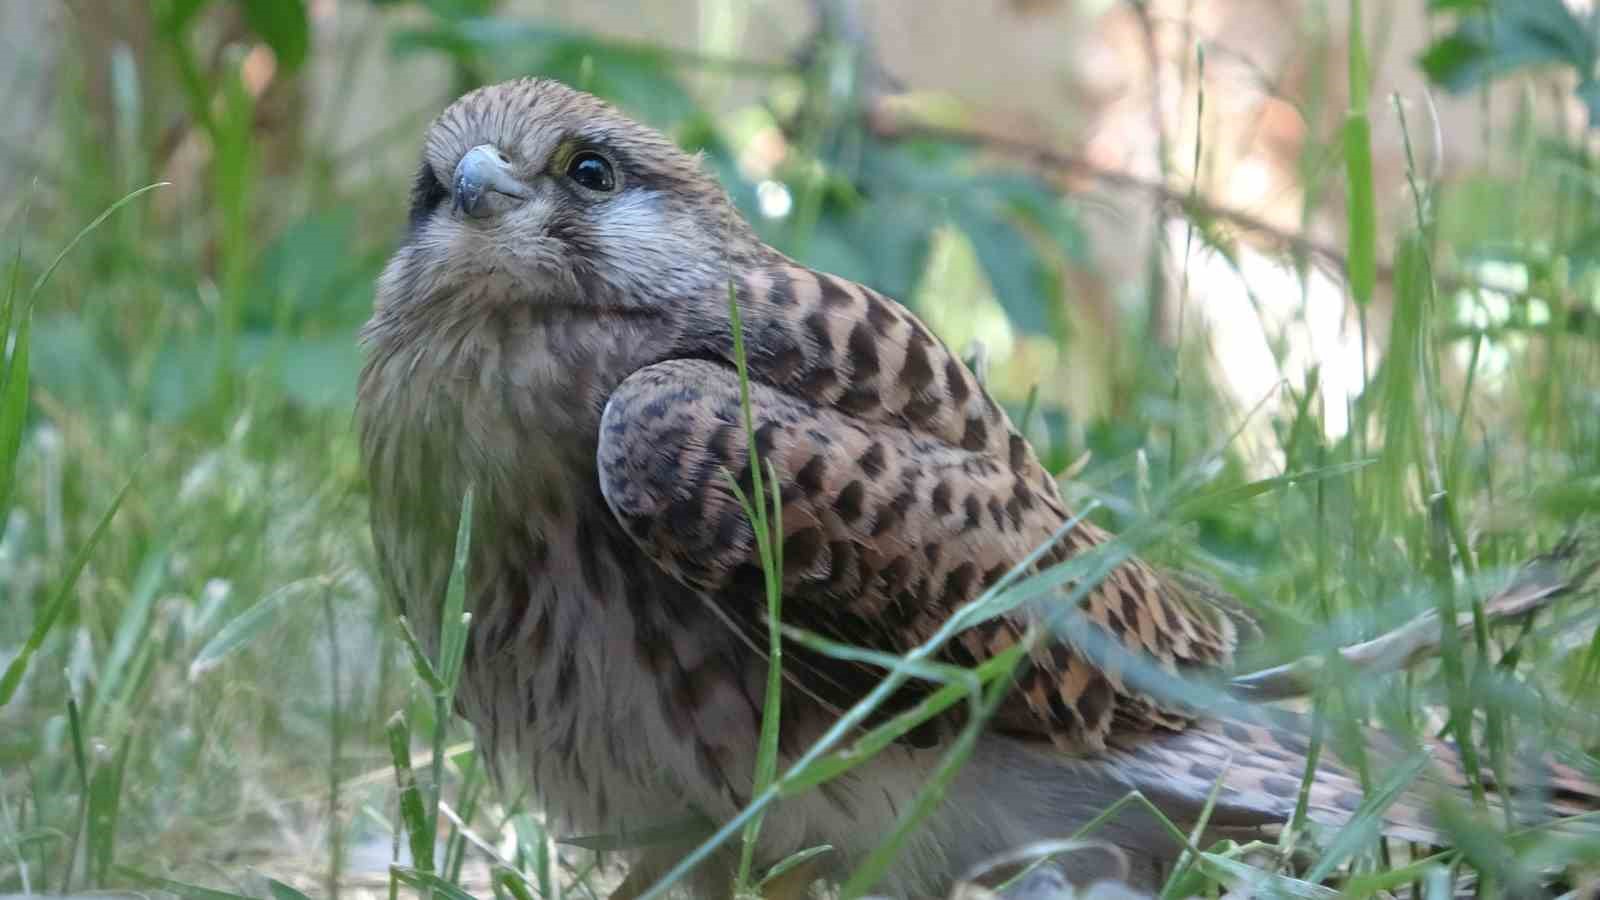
(1152, 55)
(893, 126)
(1577, 320)
(842, 23)
(889, 124)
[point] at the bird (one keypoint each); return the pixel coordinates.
(555, 334)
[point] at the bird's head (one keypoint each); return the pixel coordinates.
(532, 192)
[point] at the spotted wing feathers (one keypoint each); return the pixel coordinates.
(905, 491)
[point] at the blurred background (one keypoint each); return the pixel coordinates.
(1196, 244)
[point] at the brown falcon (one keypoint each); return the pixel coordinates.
(554, 332)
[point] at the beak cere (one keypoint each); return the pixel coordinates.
(483, 171)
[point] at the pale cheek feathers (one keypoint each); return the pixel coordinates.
(650, 248)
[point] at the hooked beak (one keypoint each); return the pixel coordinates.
(484, 170)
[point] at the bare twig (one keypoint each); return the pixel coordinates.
(1572, 566)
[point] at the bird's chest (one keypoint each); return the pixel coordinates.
(600, 679)
(615, 688)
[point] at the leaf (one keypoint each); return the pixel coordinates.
(284, 26)
(70, 360)
(1491, 42)
(1589, 93)
(428, 881)
(793, 860)
(1456, 62)
(245, 627)
(413, 817)
(318, 373)
(179, 13)
(419, 658)
(313, 268)
(513, 883)
(185, 891)
(992, 211)
(281, 891)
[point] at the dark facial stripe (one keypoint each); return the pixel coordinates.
(427, 194)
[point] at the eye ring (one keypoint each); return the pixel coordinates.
(592, 171)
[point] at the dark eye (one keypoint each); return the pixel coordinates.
(593, 171)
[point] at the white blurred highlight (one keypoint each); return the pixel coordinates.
(1311, 325)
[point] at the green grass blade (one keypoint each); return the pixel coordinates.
(44, 277)
(413, 816)
(13, 411)
(793, 860)
(1262, 883)
(419, 658)
(132, 628)
(512, 882)
(769, 546)
(281, 891)
(177, 888)
(939, 673)
(428, 882)
(877, 863)
(57, 604)
(80, 763)
(1357, 139)
(247, 626)
(827, 768)
(1186, 860)
(1363, 825)
(105, 804)
(453, 624)
(8, 308)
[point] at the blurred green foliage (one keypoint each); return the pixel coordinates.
(1495, 38)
